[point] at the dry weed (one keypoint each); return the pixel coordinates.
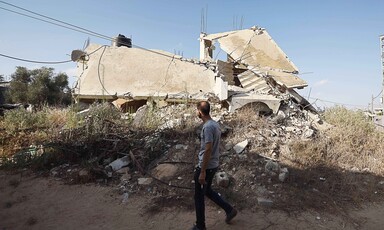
(342, 165)
(246, 124)
(57, 118)
(353, 143)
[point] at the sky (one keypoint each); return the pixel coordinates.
(334, 43)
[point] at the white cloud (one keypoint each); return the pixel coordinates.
(321, 82)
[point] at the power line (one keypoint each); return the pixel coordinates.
(76, 28)
(338, 103)
(53, 23)
(53, 19)
(32, 61)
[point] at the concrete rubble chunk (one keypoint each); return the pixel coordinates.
(225, 129)
(119, 163)
(308, 133)
(83, 173)
(144, 181)
(125, 177)
(228, 146)
(125, 197)
(140, 116)
(264, 202)
(165, 171)
(124, 170)
(239, 147)
(279, 118)
(180, 146)
(284, 174)
(222, 179)
(272, 167)
(290, 129)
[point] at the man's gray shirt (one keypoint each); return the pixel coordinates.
(210, 133)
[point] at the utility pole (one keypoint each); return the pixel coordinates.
(382, 68)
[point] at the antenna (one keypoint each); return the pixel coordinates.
(86, 43)
(206, 19)
(202, 21)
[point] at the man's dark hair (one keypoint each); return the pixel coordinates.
(204, 107)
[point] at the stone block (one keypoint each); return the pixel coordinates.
(144, 181)
(239, 147)
(222, 179)
(264, 202)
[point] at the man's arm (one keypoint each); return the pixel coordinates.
(204, 164)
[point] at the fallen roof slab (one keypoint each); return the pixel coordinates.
(287, 79)
(255, 48)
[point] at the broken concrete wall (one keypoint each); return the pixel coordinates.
(138, 73)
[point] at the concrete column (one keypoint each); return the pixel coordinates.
(205, 48)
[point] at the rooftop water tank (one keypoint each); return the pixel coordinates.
(121, 40)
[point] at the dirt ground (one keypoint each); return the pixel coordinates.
(31, 202)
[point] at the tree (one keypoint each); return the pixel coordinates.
(1, 77)
(39, 86)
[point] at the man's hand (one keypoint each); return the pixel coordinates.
(202, 177)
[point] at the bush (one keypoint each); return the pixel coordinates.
(353, 142)
(98, 116)
(20, 119)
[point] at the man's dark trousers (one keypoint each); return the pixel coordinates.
(206, 190)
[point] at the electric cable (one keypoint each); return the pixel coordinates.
(337, 103)
(53, 19)
(98, 72)
(378, 94)
(32, 61)
(53, 23)
(77, 28)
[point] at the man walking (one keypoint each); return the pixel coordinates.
(207, 167)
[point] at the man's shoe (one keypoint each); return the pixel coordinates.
(196, 228)
(231, 215)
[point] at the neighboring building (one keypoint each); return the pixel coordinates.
(378, 118)
(256, 71)
(4, 85)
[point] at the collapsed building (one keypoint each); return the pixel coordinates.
(256, 72)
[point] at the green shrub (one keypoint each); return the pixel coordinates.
(19, 119)
(98, 118)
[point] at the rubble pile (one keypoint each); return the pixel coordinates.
(250, 168)
(160, 161)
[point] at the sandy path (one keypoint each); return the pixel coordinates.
(30, 202)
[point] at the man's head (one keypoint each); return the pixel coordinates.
(203, 109)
